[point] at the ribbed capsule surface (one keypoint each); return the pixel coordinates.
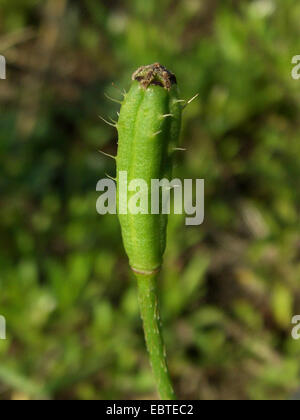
(148, 128)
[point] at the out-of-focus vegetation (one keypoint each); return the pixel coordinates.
(230, 287)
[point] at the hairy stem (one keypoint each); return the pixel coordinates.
(148, 302)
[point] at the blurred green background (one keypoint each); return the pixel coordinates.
(229, 287)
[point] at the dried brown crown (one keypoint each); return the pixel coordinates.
(155, 74)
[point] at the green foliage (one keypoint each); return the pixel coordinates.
(230, 286)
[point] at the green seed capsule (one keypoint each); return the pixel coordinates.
(148, 128)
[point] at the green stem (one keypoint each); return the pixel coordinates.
(148, 301)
